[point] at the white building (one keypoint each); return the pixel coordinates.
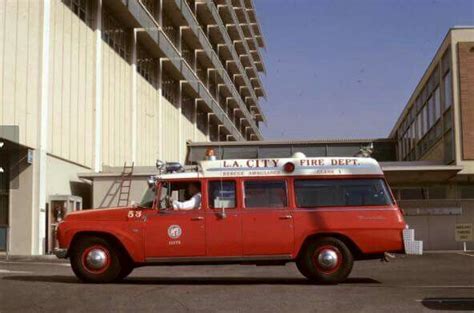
(95, 83)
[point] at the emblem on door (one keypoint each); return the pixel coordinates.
(174, 231)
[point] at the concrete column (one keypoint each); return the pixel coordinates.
(196, 59)
(180, 38)
(160, 13)
(218, 93)
(98, 91)
(209, 70)
(219, 132)
(134, 95)
(180, 120)
(208, 126)
(39, 207)
(195, 119)
(160, 108)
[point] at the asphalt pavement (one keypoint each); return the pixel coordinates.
(441, 282)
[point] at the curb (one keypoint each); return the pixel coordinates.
(32, 258)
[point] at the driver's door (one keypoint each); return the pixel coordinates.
(170, 233)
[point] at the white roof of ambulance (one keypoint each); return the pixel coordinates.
(327, 166)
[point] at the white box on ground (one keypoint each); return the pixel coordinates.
(409, 234)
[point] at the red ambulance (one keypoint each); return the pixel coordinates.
(322, 213)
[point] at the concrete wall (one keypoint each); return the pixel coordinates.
(20, 60)
(116, 109)
(148, 120)
(71, 86)
(62, 180)
(106, 190)
(22, 210)
(437, 231)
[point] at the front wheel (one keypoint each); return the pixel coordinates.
(95, 260)
(326, 260)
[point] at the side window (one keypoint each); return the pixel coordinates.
(221, 194)
(180, 195)
(265, 194)
(348, 192)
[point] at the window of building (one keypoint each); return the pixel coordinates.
(187, 108)
(78, 7)
(424, 120)
(438, 192)
(170, 29)
(115, 35)
(413, 194)
(222, 194)
(153, 7)
(448, 147)
(170, 89)
(437, 104)
(448, 90)
(419, 126)
(431, 112)
(466, 191)
(147, 67)
(347, 192)
(202, 121)
(446, 61)
(265, 194)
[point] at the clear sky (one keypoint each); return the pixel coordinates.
(345, 69)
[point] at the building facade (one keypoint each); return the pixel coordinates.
(91, 84)
(437, 127)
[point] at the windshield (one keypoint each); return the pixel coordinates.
(148, 197)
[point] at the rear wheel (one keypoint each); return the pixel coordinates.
(95, 260)
(326, 260)
(127, 268)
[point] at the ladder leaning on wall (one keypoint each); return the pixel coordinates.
(125, 185)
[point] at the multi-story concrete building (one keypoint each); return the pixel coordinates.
(95, 83)
(437, 127)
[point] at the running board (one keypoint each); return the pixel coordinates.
(218, 260)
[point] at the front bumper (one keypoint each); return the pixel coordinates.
(60, 253)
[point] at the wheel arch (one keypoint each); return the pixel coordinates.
(111, 238)
(351, 245)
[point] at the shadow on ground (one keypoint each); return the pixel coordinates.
(191, 280)
(449, 304)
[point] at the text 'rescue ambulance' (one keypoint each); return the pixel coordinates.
(322, 213)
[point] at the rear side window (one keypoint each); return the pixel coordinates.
(265, 194)
(347, 192)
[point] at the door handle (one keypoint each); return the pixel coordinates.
(286, 217)
(197, 218)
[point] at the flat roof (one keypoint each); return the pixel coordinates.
(288, 142)
(405, 173)
(417, 172)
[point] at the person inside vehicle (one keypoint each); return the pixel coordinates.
(194, 202)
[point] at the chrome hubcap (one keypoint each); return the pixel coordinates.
(96, 259)
(327, 259)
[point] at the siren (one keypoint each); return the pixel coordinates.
(298, 155)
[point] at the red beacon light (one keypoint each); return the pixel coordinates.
(289, 167)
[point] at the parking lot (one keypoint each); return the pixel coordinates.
(433, 282)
